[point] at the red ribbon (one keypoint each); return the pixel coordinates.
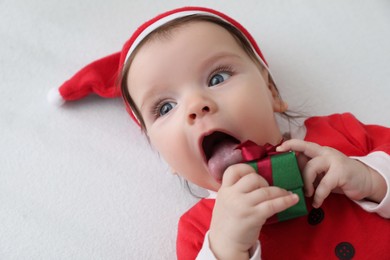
(251, 151)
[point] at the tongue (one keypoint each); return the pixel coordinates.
(224, 155)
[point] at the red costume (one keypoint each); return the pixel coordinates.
(340, 229)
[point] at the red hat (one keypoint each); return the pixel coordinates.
(100, 76)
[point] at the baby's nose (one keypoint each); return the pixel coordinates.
(201, 112)
(199, 106)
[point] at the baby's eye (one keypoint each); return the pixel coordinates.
(165, 108)
(218, 78)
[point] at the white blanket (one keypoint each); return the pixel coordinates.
(81, 181)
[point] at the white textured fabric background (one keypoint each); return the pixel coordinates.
(81, 182)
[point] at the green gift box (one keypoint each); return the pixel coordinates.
(279, 169)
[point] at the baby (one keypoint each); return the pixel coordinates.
(198, 85)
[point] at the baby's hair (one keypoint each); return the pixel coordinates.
(164, 31)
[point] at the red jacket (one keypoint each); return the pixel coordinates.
(339, 229)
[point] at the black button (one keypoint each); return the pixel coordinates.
(315, 216)
(344, 250)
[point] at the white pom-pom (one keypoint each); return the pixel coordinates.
(54, 97)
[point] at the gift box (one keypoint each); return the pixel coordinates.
(279, 169)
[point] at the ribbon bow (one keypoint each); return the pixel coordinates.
(251, 151)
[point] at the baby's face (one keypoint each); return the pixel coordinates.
(200, 94)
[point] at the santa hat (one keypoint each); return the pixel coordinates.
(100, 77)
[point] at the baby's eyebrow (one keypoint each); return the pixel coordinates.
(148, 94)
(219, 56)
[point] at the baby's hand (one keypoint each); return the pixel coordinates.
(326, 170)
(243, 204)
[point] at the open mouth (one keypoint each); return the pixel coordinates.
(212, 141)
(220, 152)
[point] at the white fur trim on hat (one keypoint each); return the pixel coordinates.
(54, 97)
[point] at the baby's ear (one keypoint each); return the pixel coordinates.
(173, 171)
(279, 104)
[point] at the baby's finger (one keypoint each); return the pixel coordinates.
(325, 187)
(267, 193)
(250, 182)
(314, 169)
(308, 148)
(234, 173)
(276, 205)
(302, 160)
